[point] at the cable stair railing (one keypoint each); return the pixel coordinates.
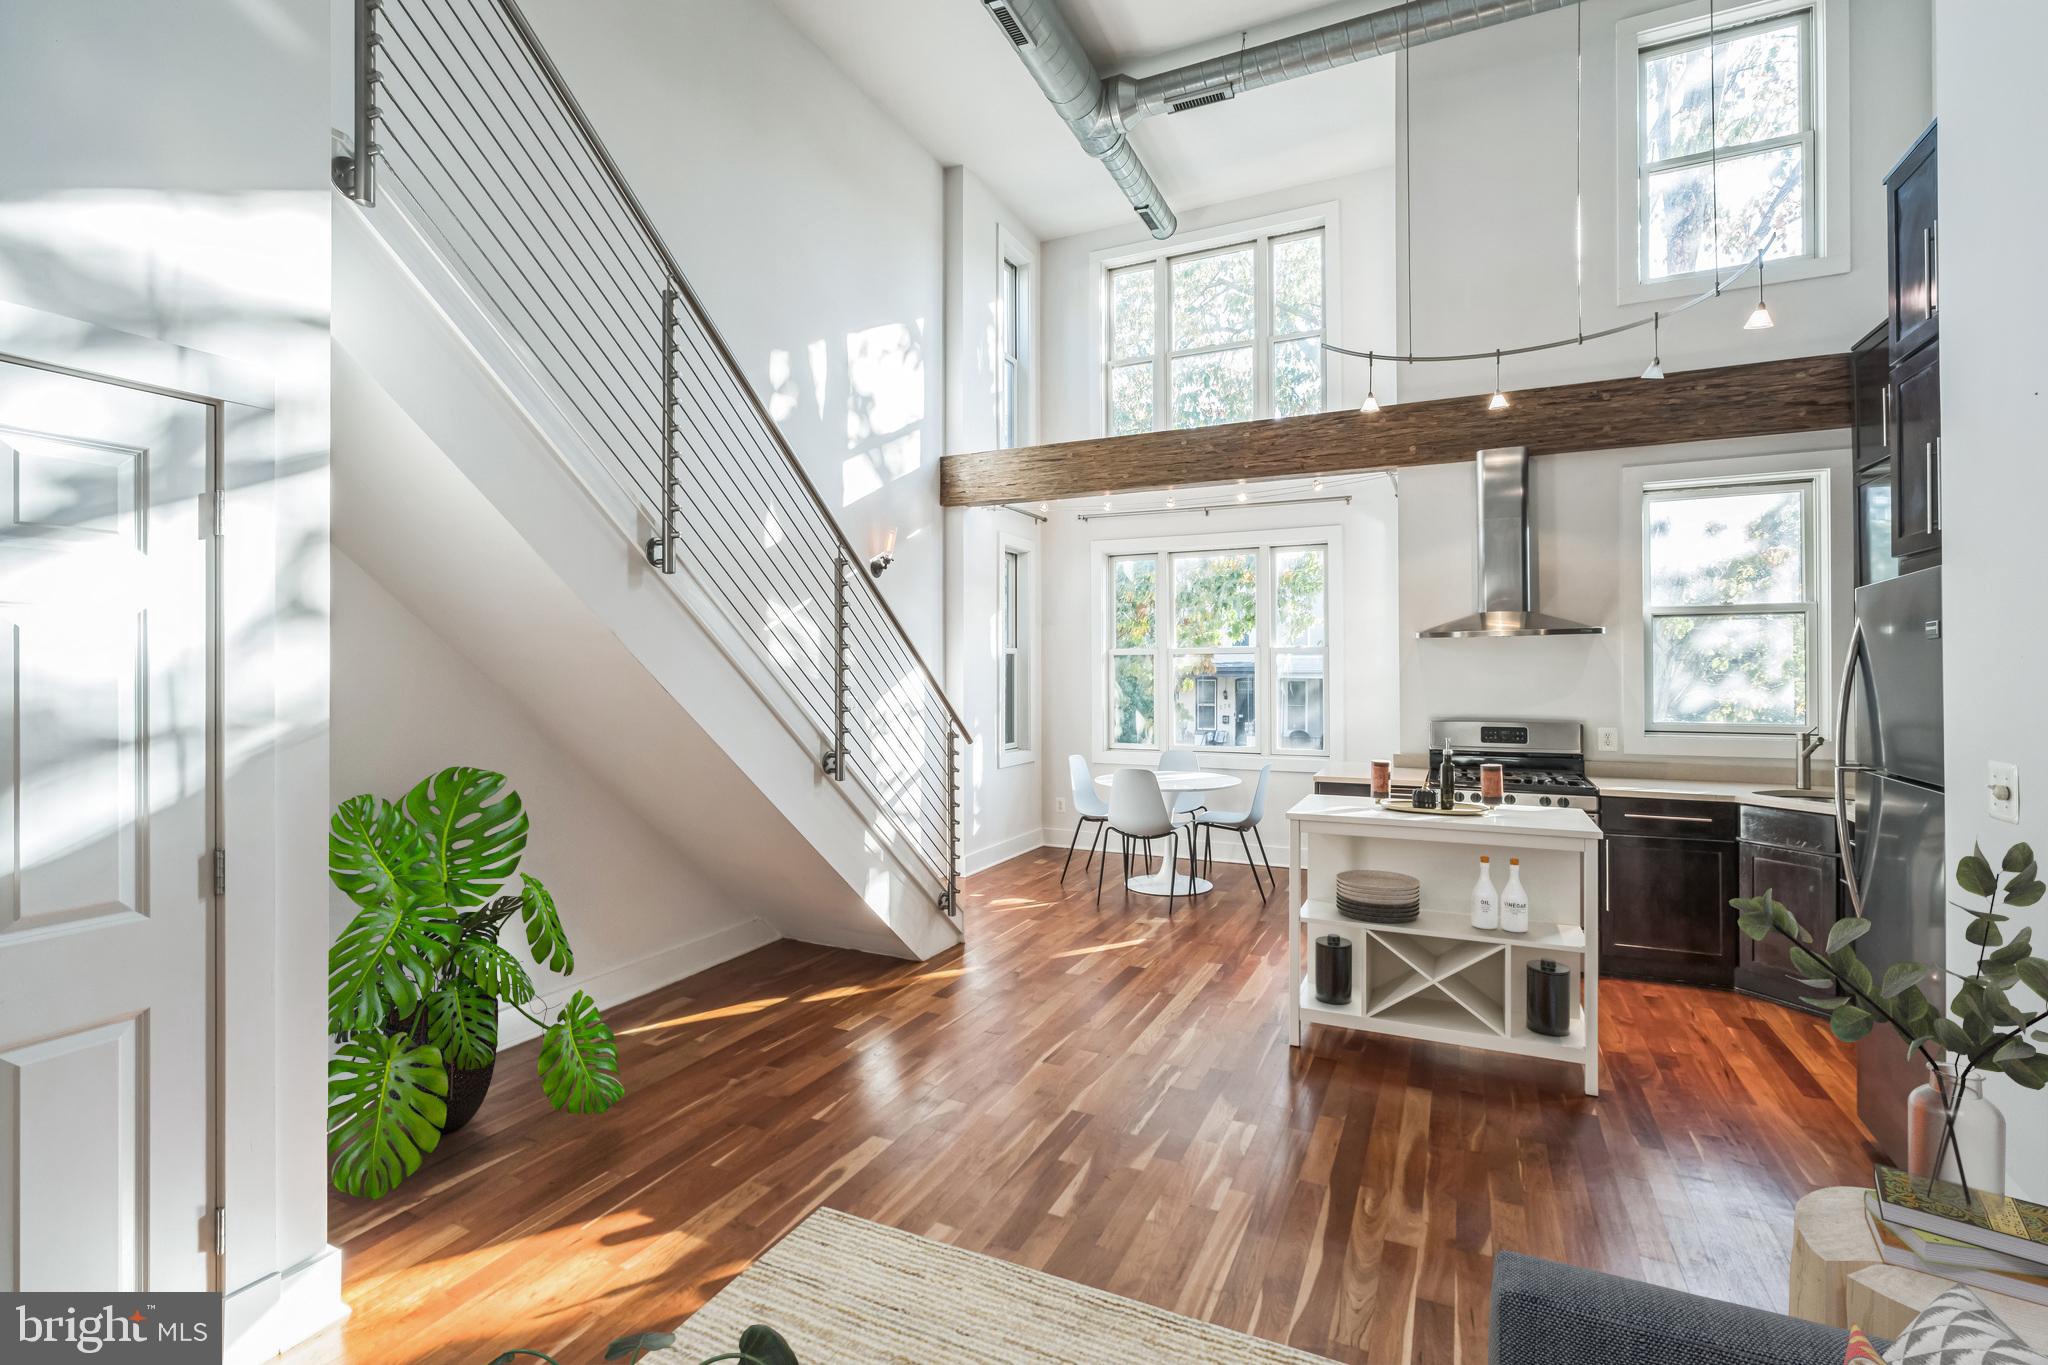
(464, 126)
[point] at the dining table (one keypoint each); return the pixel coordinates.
(1174, 783)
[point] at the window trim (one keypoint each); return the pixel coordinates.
(1829, 188)
(1833, 561)
(1260, 233)
(1030, 715)
(1265, 542)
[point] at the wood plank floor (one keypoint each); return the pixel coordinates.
(1108, 1097)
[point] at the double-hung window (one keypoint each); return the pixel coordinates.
(1015, 680)
(1010, 339)
(1225, 334)
(1223, 648)
(1731, 575)
(1727, 145)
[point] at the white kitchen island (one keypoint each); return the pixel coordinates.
(1438, 979)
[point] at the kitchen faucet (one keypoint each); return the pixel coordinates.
(1808, 742)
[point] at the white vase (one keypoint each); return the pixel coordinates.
(1975, 1149)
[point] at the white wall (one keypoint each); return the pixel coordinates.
(1489, 179)
(638, 909)
(175, 188)
(1364, 304)
(810, 224)
(1000, 814)
(1364, 600)
(1994, 288)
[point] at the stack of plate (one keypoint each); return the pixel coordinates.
(1378, 897)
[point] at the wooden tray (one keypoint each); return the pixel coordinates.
(1407, 807)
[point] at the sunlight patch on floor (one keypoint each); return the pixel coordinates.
(705, 1016)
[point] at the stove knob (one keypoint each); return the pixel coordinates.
(1510, 798)
(1546, 800)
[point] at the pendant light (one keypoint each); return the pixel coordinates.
(1499, 399)
(1372, 402)
(1655, 370)
(1760, 317)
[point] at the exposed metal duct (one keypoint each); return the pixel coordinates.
(1101, 113)
(1502, 580)
(1053, 56)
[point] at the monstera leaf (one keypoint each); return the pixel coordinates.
(544, 936)
(492, 970)
(462, 1021)
(579, 1061)
(376, 855)
(475, 830)
(384, 1112)
(385, 961)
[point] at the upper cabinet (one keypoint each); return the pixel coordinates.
(1916, 472)
(1915, 249)
(1870, 370)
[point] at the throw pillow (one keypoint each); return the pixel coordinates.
(1860, 1351)
(1957, 1329)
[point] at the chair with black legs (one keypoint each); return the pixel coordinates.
(1246, 823)
(1089, 806)
(1138, 810)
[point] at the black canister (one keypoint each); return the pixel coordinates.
(1550, 998)
(1333, 969)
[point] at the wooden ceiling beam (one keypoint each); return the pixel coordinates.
(1770, 398)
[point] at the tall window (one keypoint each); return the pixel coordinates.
(1016, 673)
(1191, 662)
(1010, 336)
(1731, 605)
(1221, 335)
(1723, 170)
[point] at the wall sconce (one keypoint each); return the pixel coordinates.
(881, 562)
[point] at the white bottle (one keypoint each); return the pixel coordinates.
(1485, 900)
(1514, 901)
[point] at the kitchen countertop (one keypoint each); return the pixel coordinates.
(1670, 788)
(1363, 810)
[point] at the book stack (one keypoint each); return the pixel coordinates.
(1378, 897)
(1986, 1241)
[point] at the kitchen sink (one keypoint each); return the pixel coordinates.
(1799, 794)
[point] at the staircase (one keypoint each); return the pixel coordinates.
(511, 297)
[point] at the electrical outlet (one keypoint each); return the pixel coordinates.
(1610, 739)
(1059, 805)
(2002, 795)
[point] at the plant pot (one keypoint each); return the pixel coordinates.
(466, 1091)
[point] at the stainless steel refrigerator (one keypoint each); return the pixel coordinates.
(1890, 718)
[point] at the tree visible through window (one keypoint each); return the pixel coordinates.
(1241, 327)
(1730, 605)
(1725, 170)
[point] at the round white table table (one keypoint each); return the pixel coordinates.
(1174, 782)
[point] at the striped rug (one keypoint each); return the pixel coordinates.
(844, 1291)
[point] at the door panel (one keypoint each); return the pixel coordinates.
(106, 830)
(1900, 729)
(1667, 915)
(1900, 852)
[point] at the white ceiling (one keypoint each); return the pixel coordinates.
(943, 69)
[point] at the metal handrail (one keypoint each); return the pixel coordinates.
(549, 72)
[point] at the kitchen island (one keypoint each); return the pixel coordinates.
(1438, 979)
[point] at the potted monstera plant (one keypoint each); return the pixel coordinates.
(416, 978)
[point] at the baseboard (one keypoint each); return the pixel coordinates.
(617, 984)
(263, 1320)
(981, 859)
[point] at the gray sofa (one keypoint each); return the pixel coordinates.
(1550, 1314)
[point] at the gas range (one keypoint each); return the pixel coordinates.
(1543, 762)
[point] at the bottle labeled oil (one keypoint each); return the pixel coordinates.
(1485, 900)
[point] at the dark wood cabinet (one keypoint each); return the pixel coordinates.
(1914, 221)
(1807, 884)
(1669, 871)
(1916, 468)
(1870, 377)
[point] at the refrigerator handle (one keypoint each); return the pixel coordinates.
(1843, 768)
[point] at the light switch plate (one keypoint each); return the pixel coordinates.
(2002, 793)
(1059, 805)
(1610, 739)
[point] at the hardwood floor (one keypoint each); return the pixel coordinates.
(1108, 1097)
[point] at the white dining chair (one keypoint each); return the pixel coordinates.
(1138, 810)
(1244, 822)
(1089, 806)
(1182, 761)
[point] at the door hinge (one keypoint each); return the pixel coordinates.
(220, 1232)
(220, 872)
(220, 511)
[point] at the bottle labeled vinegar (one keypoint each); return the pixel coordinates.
(1514, 901)
(1485, 900)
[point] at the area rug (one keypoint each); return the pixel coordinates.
(844, 1291)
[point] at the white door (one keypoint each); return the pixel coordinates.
(106, 888)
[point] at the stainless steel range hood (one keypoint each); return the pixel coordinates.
(1506, 596)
